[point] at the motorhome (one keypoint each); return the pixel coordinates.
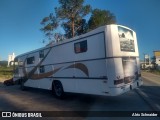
(104, 61)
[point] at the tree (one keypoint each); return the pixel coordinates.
(49, 23)
(72, 12)
(70, 16)
(81, 28)
(100, 18)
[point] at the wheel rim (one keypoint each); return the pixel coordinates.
(22, 85)
(58, 90)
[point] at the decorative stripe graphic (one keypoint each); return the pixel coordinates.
(24, 70)
(81, 67)
(43, 75)
(31, 73)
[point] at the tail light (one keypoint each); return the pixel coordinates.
(128, 79)
(116, 82)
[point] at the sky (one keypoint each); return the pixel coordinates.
(20, 22)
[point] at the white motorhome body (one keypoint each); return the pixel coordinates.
(104, 61)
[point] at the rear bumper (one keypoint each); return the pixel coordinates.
(114, 91)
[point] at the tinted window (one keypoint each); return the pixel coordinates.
(41, 69)
(30, 60)
(80, 47)
(41, 54)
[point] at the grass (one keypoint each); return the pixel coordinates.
(6, 72)
(157, 72)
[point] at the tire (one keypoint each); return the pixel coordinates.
(22, 87)
(57, 89)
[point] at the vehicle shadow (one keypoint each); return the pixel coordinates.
(12, 98)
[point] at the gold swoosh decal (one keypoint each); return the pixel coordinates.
(24, 70)
(43, 75)
(31, 73)
(81, 67)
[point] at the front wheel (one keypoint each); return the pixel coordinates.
(57, 88)
(22, 87)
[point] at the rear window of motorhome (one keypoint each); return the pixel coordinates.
(30, 60)
(126, 39)
(80, 47)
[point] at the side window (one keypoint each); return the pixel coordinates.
(41, 54)
(80, 47)
(30, 60)
(41, 69)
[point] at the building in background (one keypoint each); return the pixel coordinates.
(146, 64)
(157, 58)
(147, 59)
(10, 59)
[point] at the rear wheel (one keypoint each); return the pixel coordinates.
(57, 88)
